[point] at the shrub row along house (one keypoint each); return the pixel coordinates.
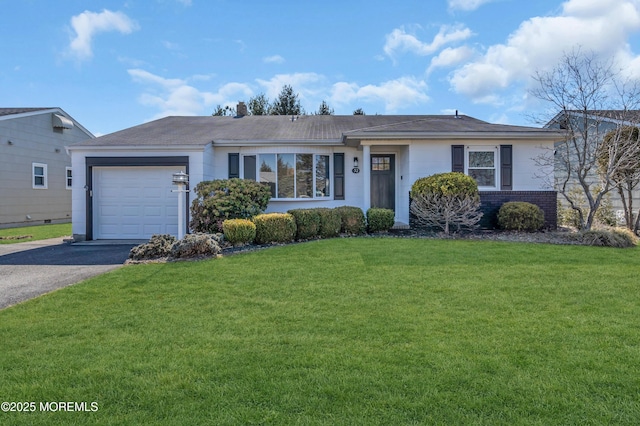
(125, 188)
(35, 170)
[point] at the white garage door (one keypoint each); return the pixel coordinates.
(134, 202)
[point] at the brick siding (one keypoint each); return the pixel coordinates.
(491, 201)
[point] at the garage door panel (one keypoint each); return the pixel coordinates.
(134, 202)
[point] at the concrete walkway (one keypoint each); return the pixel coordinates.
(30, 269)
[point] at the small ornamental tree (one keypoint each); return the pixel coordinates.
(222, 199)
(446, 199)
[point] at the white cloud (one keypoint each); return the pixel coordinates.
(87, 24)
(450, 57)
(306, 85)
(185, 2)
(174, 96)
(170, 45)
(394, 94)
(601, 26)
(466, 4)
(275, 59)
(399, 41)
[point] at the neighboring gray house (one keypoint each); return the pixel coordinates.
(597, 123)
(125, 188)
(35, 168)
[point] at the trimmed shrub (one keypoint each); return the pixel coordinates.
(330, 222)
(222, 199)
(307, 223)
(614, 237)
(444, 200)
(380, 220)
(352, 220)
(195, 245)
(453, 183)
(520, 216)
(158, 246)
(239, 231)
(275, 228)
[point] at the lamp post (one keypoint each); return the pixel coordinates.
(181, 180)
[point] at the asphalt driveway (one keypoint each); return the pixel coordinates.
(28, 270)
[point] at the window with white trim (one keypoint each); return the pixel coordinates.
(69, 177)
(481, 165)
(39, 176)
(295, 176)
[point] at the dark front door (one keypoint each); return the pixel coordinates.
(383, 181)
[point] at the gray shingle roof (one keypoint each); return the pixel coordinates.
(200, 131)
(14, 111)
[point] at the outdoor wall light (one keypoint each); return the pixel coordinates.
(355, 165)
(180, 178)
(9, 142)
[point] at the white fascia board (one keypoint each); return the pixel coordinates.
(316, 142)
(197, 148)
(370, 139)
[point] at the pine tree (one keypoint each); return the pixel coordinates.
(287, 103)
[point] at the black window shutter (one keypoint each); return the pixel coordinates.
(234, 165)
(506, 167)
(338, 176)
(250, 167)
(457, 158)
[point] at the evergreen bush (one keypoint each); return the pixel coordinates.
(239, 231)
(307, 223)
(222, 199)
(380, 220)
(158, 246)
(275, 228)
(330, 222)
(520, 216)
(352, 220)
(195, 245)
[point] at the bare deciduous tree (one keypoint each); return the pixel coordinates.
(627, 175)
(589, 99)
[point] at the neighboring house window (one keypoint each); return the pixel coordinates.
(481, 165)
(39, 172)
(295, 175)
(69, 176)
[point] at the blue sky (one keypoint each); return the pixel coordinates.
(117, 64)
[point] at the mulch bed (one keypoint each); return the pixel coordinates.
(561, 236)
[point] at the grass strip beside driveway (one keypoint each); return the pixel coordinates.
(344, 331)
(34, 233)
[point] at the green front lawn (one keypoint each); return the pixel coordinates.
(34, 233)
(359, 331)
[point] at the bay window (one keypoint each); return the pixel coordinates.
(295, 175)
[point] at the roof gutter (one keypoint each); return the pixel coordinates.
(354, 139)
(266, 142)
